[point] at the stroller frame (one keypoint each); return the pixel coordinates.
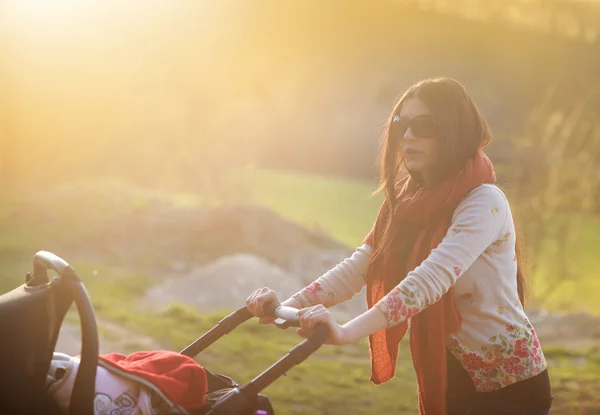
(30, 319)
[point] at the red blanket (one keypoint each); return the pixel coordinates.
(179, 378)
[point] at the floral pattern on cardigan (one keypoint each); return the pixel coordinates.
(509, 357)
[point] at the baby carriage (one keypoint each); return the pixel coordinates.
(30, 319)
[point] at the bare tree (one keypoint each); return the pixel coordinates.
(556, 179)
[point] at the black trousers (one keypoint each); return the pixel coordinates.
(528, 397)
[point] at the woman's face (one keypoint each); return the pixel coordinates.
(417, 132)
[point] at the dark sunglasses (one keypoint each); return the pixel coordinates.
(422, 126)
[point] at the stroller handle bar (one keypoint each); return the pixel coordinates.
(288, 317)
(242, 396)
(284, 316)
(47, 260)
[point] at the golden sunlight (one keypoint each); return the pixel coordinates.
(45, 15)
(67, 19)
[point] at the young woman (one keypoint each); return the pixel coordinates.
(443, 256)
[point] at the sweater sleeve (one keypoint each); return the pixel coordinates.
(476, 224)
(339, 284)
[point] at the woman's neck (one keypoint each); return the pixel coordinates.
(424, 179)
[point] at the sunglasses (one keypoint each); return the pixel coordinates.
(422, 126)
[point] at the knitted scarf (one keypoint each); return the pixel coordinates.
(423, 216)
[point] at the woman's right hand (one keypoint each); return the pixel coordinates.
(256, 301)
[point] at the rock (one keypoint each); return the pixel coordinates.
(224, 284)
(309, 265)
(165, 238)
(179, 266)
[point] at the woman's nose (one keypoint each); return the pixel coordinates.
(408, 135)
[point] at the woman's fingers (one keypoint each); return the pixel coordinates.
(258, 304)
(267, 296)
(304, 317)
(266, 320)
(311, 310)
(304, 332)
(251, 302)
(256, 301)
(250, 298)
(309, 317)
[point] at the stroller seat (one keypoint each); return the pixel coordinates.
(30, 319)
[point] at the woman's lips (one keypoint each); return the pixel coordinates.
(411, 152)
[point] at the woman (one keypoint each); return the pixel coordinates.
(443, 256)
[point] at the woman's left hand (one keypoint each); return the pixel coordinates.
(310, 316)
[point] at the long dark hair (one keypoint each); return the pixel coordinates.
(463, 130)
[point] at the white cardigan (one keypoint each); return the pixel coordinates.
(496, 343)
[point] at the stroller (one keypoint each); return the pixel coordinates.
(30, 319)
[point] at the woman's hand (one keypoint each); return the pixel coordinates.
(256, 301)
(311, 316)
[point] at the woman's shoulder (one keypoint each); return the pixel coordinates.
(488, 192)
(486, 196)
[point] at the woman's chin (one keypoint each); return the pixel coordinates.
(413, 167)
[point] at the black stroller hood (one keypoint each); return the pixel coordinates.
(30, 319)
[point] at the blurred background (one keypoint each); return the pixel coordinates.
(184, 153)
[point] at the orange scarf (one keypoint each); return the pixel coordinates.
(423, 218)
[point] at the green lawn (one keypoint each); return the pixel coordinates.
(344, 209)
(334, 380)
(577, 290)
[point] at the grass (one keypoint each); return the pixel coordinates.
(334, 380)
(579, 289)
(344, 209)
